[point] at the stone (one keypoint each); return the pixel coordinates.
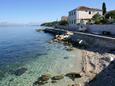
(69, 33)
(76, 85)
(54, 81)
(11, 79)
(42, 80)
(69, 48)
(50, 42)
(44, 77)
(57, 77)
(20, 71)
(108, 59)
(73, 75)
(66, 57)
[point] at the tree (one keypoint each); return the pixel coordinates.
(97, 18)
(110, 14)
(104, 8)
(63, 23)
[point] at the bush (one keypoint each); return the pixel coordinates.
(63, 23)
(110, 14)
(97, 18)
(54, 23)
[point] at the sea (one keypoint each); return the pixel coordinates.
(24, 47)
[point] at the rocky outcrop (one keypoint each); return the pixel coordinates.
(94, 63)
(105, 78)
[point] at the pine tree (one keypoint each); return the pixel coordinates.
(104, 8)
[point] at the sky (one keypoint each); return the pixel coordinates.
(39, 11)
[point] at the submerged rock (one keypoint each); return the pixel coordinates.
(42, 80)
(57, 77)
(39, 83)
(54, 81)
(66, 57)
(20, 71)
(69, 48)
(73, 75)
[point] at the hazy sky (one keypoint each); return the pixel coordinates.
(26, 11)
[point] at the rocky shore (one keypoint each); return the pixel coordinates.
(93, 64)
(96, 66)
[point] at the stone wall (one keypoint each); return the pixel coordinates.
(95, 40)
(97, 29)
(100, 28)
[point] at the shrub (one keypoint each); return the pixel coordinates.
(63, 23)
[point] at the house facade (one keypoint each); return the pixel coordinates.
(82, 14)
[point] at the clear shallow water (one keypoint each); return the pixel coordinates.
(24, 47)
(18, 45)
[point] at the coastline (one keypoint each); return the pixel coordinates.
(93, 63)
(70, 63)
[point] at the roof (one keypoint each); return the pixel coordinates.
(82, 8)
(64, 17)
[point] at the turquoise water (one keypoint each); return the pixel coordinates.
(19, 45)
(22, 46)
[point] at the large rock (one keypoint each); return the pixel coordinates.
(44, 77)
(73, 75)
(57, 77)
(42, 80)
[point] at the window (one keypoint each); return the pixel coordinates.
(89, 12)
(75, 21)
(74, 12)
(69, 13)
(70, 22)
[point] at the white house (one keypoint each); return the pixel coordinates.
(82, 13)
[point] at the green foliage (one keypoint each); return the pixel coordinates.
(110, 14)
(54, 23)
(98, 19)
(50, 24)
(104, 8)
(63, 23)
(107, 18)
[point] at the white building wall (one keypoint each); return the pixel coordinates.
(72, 18)
(86, 15)
(79, 15)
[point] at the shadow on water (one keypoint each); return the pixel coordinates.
(105, 78)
